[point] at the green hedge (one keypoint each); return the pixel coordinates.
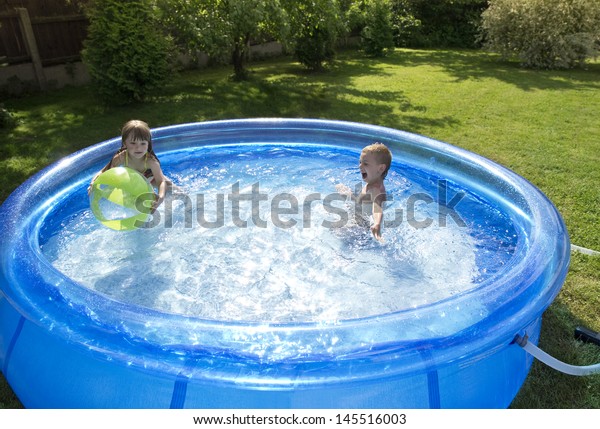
(125, 54)
(438, 23)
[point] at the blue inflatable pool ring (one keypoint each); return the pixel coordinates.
(121, 198)
(67, 343)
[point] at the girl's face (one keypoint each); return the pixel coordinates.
(136, 148)
(370, 169)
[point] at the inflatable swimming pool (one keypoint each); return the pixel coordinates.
(68, 344)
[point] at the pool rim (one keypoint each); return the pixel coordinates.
(91, 156)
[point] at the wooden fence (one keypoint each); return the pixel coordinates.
(41, 33)
(45, 7)
(58, 39)
(41, 41)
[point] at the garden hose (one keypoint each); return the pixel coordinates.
(554, 363)
(584, 250)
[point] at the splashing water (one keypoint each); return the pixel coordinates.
(258, 234)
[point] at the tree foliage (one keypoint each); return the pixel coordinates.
(218, 26)
(438, 23)
(404, 23)
(374, 19)
(315, 28)
(544, 33)
(125, 54)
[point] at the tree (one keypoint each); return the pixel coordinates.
(125, 55)
(217, 26)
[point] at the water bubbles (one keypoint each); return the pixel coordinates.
(293, 271)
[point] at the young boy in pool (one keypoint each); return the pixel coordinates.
(136, 153)
(374, 163)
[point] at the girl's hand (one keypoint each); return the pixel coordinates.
(157, 202)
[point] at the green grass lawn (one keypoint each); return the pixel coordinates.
(544, 125)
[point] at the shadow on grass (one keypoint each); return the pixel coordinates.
(56, 124)
(473, 64)
(280, 89)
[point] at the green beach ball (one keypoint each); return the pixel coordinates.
(121, 199)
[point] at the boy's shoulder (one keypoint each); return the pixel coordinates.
(378, 192)
(377, 188)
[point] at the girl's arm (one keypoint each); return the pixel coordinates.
(160, 180)
(116, 160)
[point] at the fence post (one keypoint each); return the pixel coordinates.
(32, 46)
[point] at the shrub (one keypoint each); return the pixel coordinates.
(374, 19)
(440, 23)
(544, 34)
(315, 26)
(404, 23)
(125, 54)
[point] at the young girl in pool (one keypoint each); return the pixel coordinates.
(136, 153)
(374, 163)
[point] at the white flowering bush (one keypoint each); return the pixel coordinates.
(547, 34)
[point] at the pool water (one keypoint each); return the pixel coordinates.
(258, 233)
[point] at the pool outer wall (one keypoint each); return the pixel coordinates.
(79, 380)
(56, 350)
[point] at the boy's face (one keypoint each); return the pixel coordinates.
(370, 168)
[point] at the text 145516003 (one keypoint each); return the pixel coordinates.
(370, 419)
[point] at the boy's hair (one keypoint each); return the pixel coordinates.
(382, 154)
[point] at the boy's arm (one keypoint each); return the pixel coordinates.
(377, 216)
(345, 190)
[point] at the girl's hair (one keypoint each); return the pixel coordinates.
(382, 153)
(134, 130)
